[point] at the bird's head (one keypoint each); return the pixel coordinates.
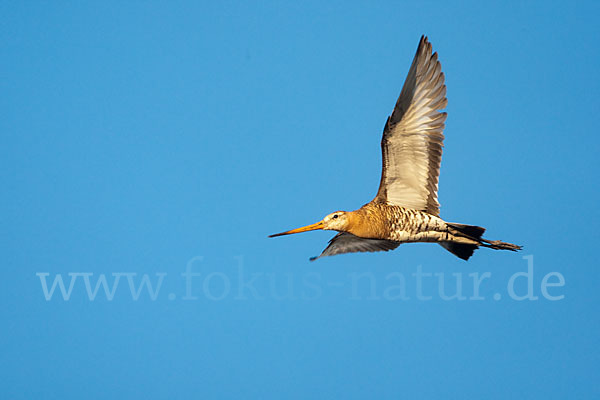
(336, 221)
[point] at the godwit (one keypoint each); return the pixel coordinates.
(406, 207)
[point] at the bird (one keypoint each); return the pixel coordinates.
(406, 208)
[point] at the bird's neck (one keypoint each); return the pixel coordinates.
(365, 224)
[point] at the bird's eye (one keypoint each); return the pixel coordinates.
(335, 216)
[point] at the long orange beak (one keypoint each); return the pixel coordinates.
(313, 227)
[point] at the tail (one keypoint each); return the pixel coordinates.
(465, 250)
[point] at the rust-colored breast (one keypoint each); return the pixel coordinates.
(383, 221)
(371, 221)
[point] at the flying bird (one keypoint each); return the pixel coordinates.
(406, 207)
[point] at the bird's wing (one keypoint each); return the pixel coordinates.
(412, 138)
(345, 242)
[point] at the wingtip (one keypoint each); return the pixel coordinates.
(424, 45)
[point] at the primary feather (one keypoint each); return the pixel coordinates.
(412, 138)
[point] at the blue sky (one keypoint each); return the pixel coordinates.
(154, 139)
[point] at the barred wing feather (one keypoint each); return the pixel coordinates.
(413, 139)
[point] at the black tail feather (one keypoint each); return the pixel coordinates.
(460, 250)
(464, 251)
(471, 231)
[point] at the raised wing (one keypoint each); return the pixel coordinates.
(345, 242)
(412, 138)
